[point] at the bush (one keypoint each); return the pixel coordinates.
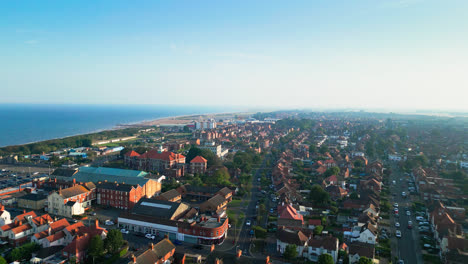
(260, 232)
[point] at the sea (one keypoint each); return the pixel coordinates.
(26, 123)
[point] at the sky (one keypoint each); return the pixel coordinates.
(397, 54)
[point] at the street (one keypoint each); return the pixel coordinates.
(407, 247)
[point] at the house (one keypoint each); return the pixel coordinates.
(24, 226)
(336, 192)
(368, 234)
(32, 201)
(5, 217)
(313, 223)
(170, 196)
(356, 250)
(53, 235)
(78, 238)
(216, 204)
(198, 165)
(71, 201)
(288, 217)
(319, 245)
(159, 253)
(285, 237)
(165, 162)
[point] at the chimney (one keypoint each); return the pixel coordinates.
(96, 223)
(166, 236)
(212, 248)
(134, 258)
(239, 253)
(24, 211)
(151, 246)
(267, 260)
(74, 181)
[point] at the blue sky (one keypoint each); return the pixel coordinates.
(364, 53)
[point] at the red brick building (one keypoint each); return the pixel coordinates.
(198, 165)
(166, 162)
(122, 196)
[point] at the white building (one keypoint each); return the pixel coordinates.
(5, 217)
(396, 157)
(206, 124)
(216, 149)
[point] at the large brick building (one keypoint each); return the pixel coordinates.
(122, 196)
(164, 162)
(198, 165)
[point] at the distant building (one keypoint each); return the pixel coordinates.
(71, 201)
(122, 196)
(164, 162)
(198, 165)
(32, 201)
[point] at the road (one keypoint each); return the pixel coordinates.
(250, 213)
(408, 247)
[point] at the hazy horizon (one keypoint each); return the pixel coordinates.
(396, 55)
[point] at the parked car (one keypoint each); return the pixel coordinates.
(397, 224)
(408, 213)
(395, 204)
(177, 242)
(420, 218)
(93, 213)
(427, 246)
(108, 222)
(424, 224)
(410, 224)
(150, 236)
(124, 231)
(398, 233)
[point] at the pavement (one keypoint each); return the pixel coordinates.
(406, 248)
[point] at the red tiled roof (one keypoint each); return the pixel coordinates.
(73, 229)
(56, 236)
(21, 228)
(42, 220)
(22, 216)
(132, 154)
(332, 179)
(289, 212)
(166, 155)
(59, 225)
(198, 159)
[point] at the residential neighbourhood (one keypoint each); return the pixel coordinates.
(280, 187)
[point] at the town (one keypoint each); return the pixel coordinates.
(276, 187)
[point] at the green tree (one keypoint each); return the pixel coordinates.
(313, 149)
(290, 252)
(3, 261)
(323, 149)
(325, 259)
(354, 196)
(96, 247)
(364, 260)
(332, 171)
(318, 230)
(319, 195)
(342, 254)
(113, 241)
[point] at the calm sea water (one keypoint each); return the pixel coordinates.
(21, 123)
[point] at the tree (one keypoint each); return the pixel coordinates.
(113, 241)
(3, 261)
(318, 230)
(313, 149)
(290, 252)
(332, 171)
(364, 260)
(211, 158)
(325, 259)
(319, 195)
(354, 196)
(96, 247)
(323, 149)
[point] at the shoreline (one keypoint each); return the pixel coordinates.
(160, 121)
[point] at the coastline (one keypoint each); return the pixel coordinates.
(179, 120)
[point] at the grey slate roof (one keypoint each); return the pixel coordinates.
(157, 208)
(93, 174)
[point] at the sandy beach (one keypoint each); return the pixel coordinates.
(189, 119)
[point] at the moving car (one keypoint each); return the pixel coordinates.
(408, 213)
(150, 236)
(395, 204)
(410, 224)
(248, 222)
(398, 233)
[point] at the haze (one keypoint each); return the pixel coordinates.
(392, 54)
